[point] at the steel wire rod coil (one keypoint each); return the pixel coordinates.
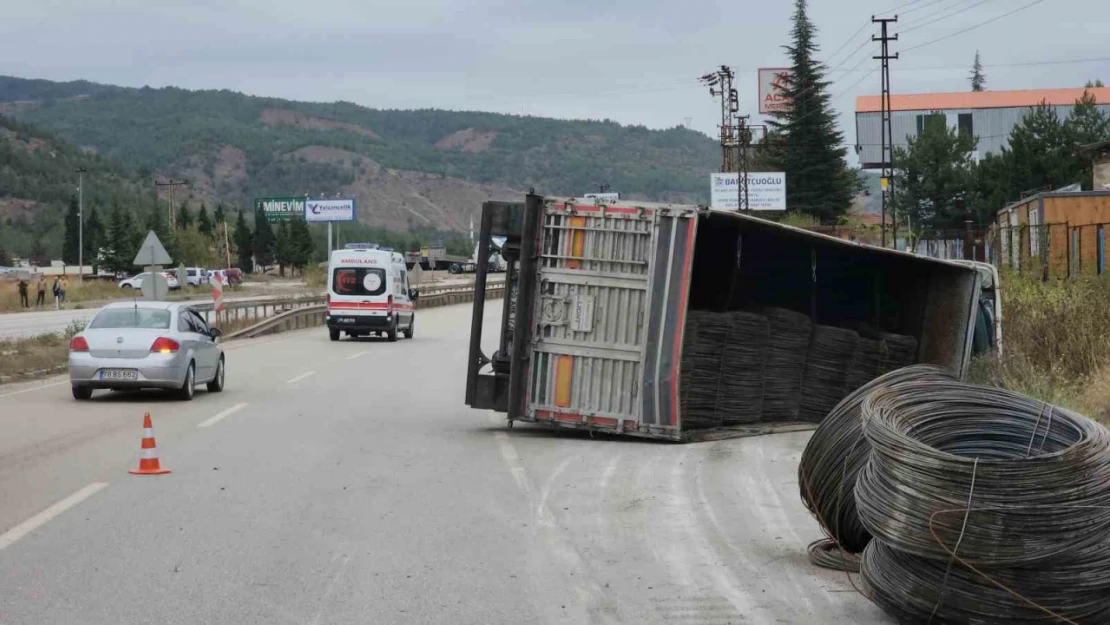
(938, 445)
(838, 451)
(923, 590)
(826, 553)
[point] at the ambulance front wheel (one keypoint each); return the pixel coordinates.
(409, 330)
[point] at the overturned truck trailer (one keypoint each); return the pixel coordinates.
(681, 323)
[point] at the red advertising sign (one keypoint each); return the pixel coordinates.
(773, 82)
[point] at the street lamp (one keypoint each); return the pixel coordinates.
(81, 224)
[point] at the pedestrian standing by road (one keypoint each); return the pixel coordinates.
(41, 299)
(56, 289)
(62, 289)
(23, 293)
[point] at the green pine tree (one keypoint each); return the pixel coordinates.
(204, 224)
(1041, 153)
(94, 238)
(244, 243)
(301, 242)
(935, 174)
(156, 222)
(218, 215)
(121, 247)
(38, 254)
(263, 243)
(806, 143)
(184, 217)
(978, 80)
(283, 247)
(71, 240)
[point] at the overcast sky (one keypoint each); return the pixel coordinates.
(634, 61)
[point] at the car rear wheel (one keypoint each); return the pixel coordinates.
(333, 335)
(82, 392)
(125, 286)
(391, 335)
(217, 383)
(189, 388)
(412, 328)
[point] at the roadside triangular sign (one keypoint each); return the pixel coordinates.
(152, 252)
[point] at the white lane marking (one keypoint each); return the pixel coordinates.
(220, 415)
(34, 388)
(353, 356)
(19, 531)
(300, 377)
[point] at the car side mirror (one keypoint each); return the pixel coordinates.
(414, 294)
(215, 333)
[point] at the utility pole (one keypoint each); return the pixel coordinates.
(887, 132)
(172, 184)
(81, 224)
(720, 84)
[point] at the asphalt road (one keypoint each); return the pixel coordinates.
(26, 324)
(347, 483)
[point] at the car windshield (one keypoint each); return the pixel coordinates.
(155, 318)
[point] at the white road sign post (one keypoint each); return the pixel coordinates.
(329, 211)
(766, 191)
(153, 255)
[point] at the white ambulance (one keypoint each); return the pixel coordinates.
(368, 293)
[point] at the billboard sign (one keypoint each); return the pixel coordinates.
(773, 82)
(280, 208)
(335, 209)
(603, 197)
(766, 191)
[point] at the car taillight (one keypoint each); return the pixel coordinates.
(389, 305)
(163, 345)
(78, 344)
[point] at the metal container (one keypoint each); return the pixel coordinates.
(601, 294)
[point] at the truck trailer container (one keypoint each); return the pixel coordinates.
(682, 323)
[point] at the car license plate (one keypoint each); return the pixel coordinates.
(346, 320)
(119, 374)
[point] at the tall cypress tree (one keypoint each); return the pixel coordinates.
(71, 241)
(94, 238)
(300, 239)
(184, 217)
(244, 244)
(806, 143)
(283, 248)
(978, 80)
(263, 243)
(218, 215)
(204, 224)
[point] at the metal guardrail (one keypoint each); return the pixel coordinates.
(310, 312)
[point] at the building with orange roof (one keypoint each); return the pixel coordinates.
(989, 115)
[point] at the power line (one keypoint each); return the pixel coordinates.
(970, 28)
(1095, 59)
(922, 7)
(928, 16)
(846, 41)
(920, 24)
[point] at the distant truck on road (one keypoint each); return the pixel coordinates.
(682, 323)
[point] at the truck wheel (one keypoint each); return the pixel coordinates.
(409, 330)
(391, 335)
(333, 335)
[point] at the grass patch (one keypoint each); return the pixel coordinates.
(1056, 343)
(31, 357)
(92, 293)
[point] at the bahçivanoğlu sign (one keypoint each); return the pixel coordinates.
(334, 209)
(766, 191)
(280, 208)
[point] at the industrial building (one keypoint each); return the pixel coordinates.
(988, 115)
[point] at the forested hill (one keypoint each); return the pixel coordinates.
(38, 180)
(233, 147)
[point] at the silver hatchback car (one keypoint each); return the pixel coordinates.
(137, 344)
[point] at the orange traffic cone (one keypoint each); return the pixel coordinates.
(148, 456)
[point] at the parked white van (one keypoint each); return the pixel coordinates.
(368, 293)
